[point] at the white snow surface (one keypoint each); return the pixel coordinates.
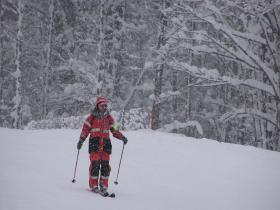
(159, 171)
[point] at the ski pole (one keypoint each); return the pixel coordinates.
(74, 180)
(116, 182)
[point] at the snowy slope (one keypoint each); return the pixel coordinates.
(159, 171)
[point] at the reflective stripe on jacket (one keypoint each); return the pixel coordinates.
(98, 125)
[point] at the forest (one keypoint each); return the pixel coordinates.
(202, 68)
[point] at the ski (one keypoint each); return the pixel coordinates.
(106, 194)
(110, 195)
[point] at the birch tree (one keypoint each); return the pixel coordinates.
(47, 70)
(16, 113)
(7, 12)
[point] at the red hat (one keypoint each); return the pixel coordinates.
(100, 100)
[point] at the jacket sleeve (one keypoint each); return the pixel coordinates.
(116, 133)
(86, 128)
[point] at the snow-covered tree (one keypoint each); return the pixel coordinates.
(204, 68)
(11, 63)
(244, 33)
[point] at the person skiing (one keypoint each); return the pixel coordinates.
(98, 124)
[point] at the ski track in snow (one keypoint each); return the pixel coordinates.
(159, 171)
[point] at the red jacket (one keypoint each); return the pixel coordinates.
(98, 125)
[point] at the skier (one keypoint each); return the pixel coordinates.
(98, 124)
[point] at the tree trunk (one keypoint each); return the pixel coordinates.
(48, 69)
(157, 92)
(17, 74)
(277, 136)
(155, 123)
(116, 93)
(1, 59)
(100, 57)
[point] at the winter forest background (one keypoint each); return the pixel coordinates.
(203, 68)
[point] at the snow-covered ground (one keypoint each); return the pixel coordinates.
(159, 171)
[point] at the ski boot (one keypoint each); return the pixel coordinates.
(95, 189)
(103, 191)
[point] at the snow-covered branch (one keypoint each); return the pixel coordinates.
(238, 50)
(245, 113)
(215, 78)
(181, 125)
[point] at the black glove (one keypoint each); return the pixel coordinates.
(124, 139)
(79, 144)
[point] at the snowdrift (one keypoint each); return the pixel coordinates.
(159, 171)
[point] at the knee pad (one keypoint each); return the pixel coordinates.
(95, 166)
(105, 168)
